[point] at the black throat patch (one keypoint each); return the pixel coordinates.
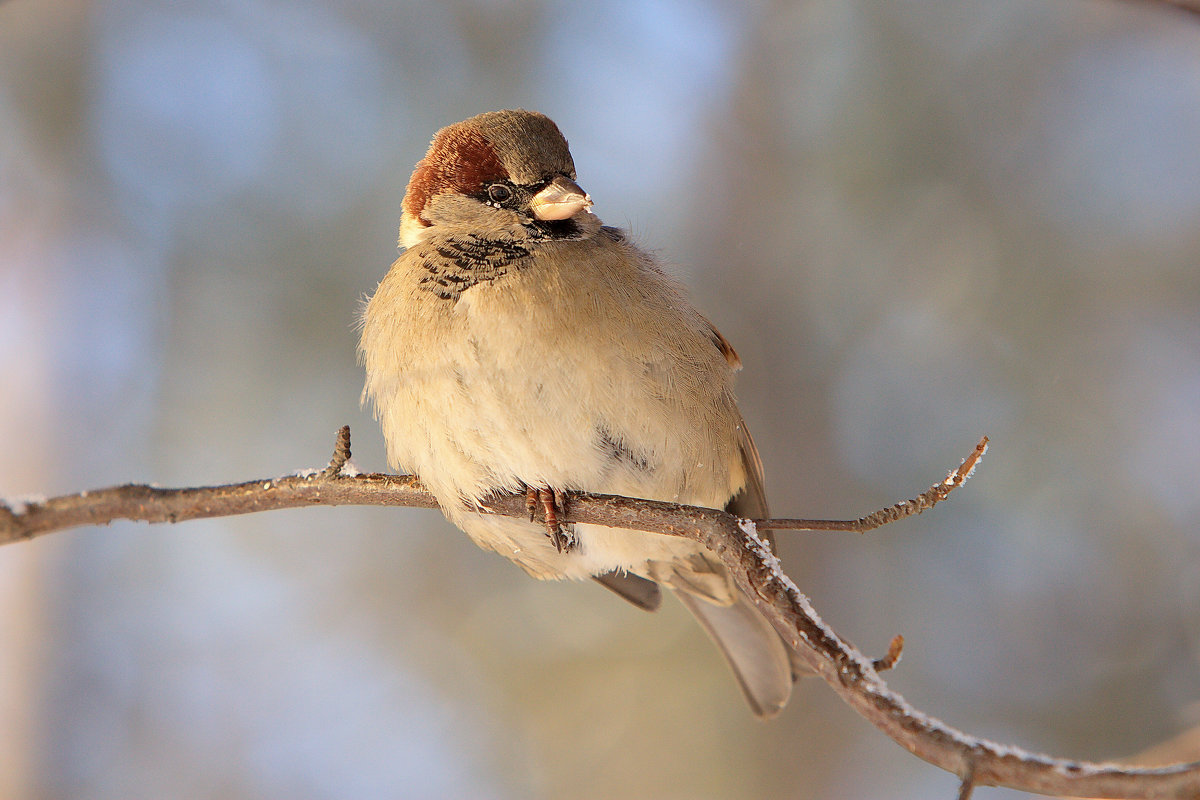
(456, 263)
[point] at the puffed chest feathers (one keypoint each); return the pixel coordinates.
(489, 407)
(583, 372)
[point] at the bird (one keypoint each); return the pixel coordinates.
(518, 344)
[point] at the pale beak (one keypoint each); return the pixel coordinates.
(561, 199)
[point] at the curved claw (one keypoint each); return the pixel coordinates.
(552, 503)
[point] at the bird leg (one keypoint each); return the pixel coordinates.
(552, 503)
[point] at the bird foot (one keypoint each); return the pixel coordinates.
(552, 502)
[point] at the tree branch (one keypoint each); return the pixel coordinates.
(753, 566)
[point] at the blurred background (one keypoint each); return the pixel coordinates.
(919, 222)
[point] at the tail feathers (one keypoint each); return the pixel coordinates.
(759, 658)
(640, 591)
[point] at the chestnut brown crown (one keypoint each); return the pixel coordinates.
(523, 147)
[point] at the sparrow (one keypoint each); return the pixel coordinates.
(520, 345)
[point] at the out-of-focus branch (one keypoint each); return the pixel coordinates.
(1188, 6)
(851, 674)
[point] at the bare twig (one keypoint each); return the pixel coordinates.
(967, 787)
(892, 657)
(751, 563)
(908, 508)
(341, 452)
(139, 502)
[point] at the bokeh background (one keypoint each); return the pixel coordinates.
(918, 221)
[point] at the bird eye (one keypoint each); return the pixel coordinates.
(498, 192)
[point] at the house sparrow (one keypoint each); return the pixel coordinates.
(519, 345)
